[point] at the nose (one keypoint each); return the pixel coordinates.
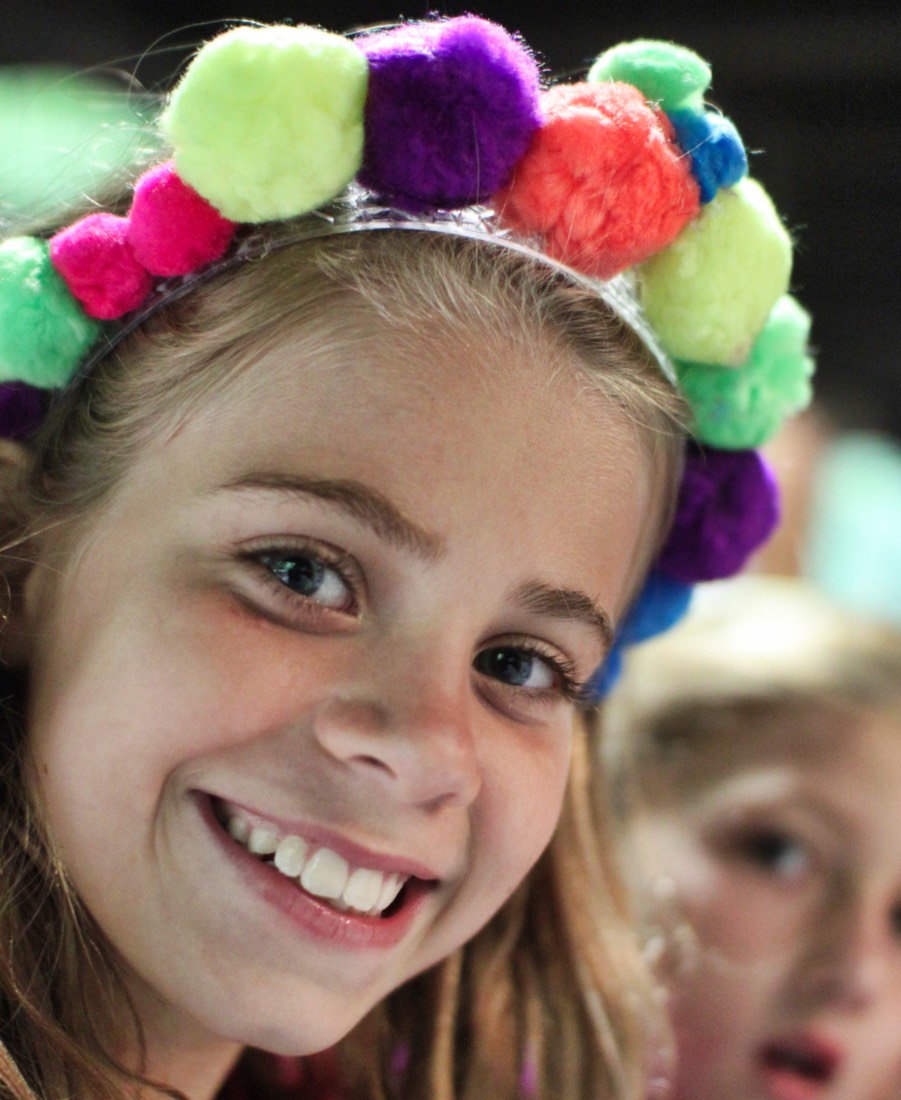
(851, 951)
(407, 730)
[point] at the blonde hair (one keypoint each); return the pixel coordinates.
(754, 647)
(553, 987)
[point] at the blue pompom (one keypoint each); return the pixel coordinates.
(660, 604)
(606, 676)
(718, 157)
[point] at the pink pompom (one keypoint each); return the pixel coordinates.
(602, 181)
(95, 260)
(173, 231)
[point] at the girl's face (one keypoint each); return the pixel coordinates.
(339, 616)
(784, 859)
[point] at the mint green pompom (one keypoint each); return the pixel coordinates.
(740, 408)
(664, 73)
(44, 333)
(268, 121)
(709, 293)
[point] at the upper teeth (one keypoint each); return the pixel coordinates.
(319, 870)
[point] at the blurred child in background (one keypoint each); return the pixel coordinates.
(756, 753)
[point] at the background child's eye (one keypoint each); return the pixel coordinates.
(777, 852)
(518, 667)
(309, 576)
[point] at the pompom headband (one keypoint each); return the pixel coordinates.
(443, 125)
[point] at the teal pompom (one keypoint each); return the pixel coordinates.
(44, 332)
(268, 121)
(669, 75)
(741, 408)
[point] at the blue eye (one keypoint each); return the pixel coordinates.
(309, 576)
(776, 852)
(518, 667)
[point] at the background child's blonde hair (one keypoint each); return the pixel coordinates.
(754, 647)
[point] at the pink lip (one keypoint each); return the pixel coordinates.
(800, 1065)
(306, 913)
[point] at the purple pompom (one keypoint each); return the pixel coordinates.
(728, 507)
(451, 108)
(22, 409)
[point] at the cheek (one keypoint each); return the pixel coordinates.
(743, 915)
(115, 711)
(520, 805)
(720, 1009)
(748, 919)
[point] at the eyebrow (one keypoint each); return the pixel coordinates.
(568, 604)
(357, 500)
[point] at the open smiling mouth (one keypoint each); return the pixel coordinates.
(318, 871)
(799, 1066)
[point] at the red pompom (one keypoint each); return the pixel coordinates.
(602, 181)
(173, 231)
(95, 260)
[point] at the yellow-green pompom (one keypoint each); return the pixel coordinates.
(741, 409)
(663, 72)
(268, 121)
(709, 294)
(44, 332)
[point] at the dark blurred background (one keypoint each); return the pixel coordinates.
(814, 88)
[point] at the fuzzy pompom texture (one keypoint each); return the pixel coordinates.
(44, 332)
(661, 603)
(666, 74)
(95, 259)
(708, 295)
(171, 229)
(267, 122)
(22, 408)
(718, 157)
(602, 181)
(728, 507)
(739, 409)
(452, 107)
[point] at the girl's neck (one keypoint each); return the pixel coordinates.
(196, 1073)
(181, 1055)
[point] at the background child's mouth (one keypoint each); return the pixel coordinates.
(799, 1067)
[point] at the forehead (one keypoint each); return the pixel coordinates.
(837, 745)
(476, 436)
(426, 391)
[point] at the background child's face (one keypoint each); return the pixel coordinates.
(782, 852)
(339, 607)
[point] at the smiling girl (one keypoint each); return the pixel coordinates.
(344, 494)
(761, 746)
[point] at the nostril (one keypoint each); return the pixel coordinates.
(423, 750)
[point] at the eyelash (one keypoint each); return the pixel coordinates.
(262, 558)
(294, 603)
(566, 686)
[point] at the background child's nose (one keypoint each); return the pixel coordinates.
(850, 947)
